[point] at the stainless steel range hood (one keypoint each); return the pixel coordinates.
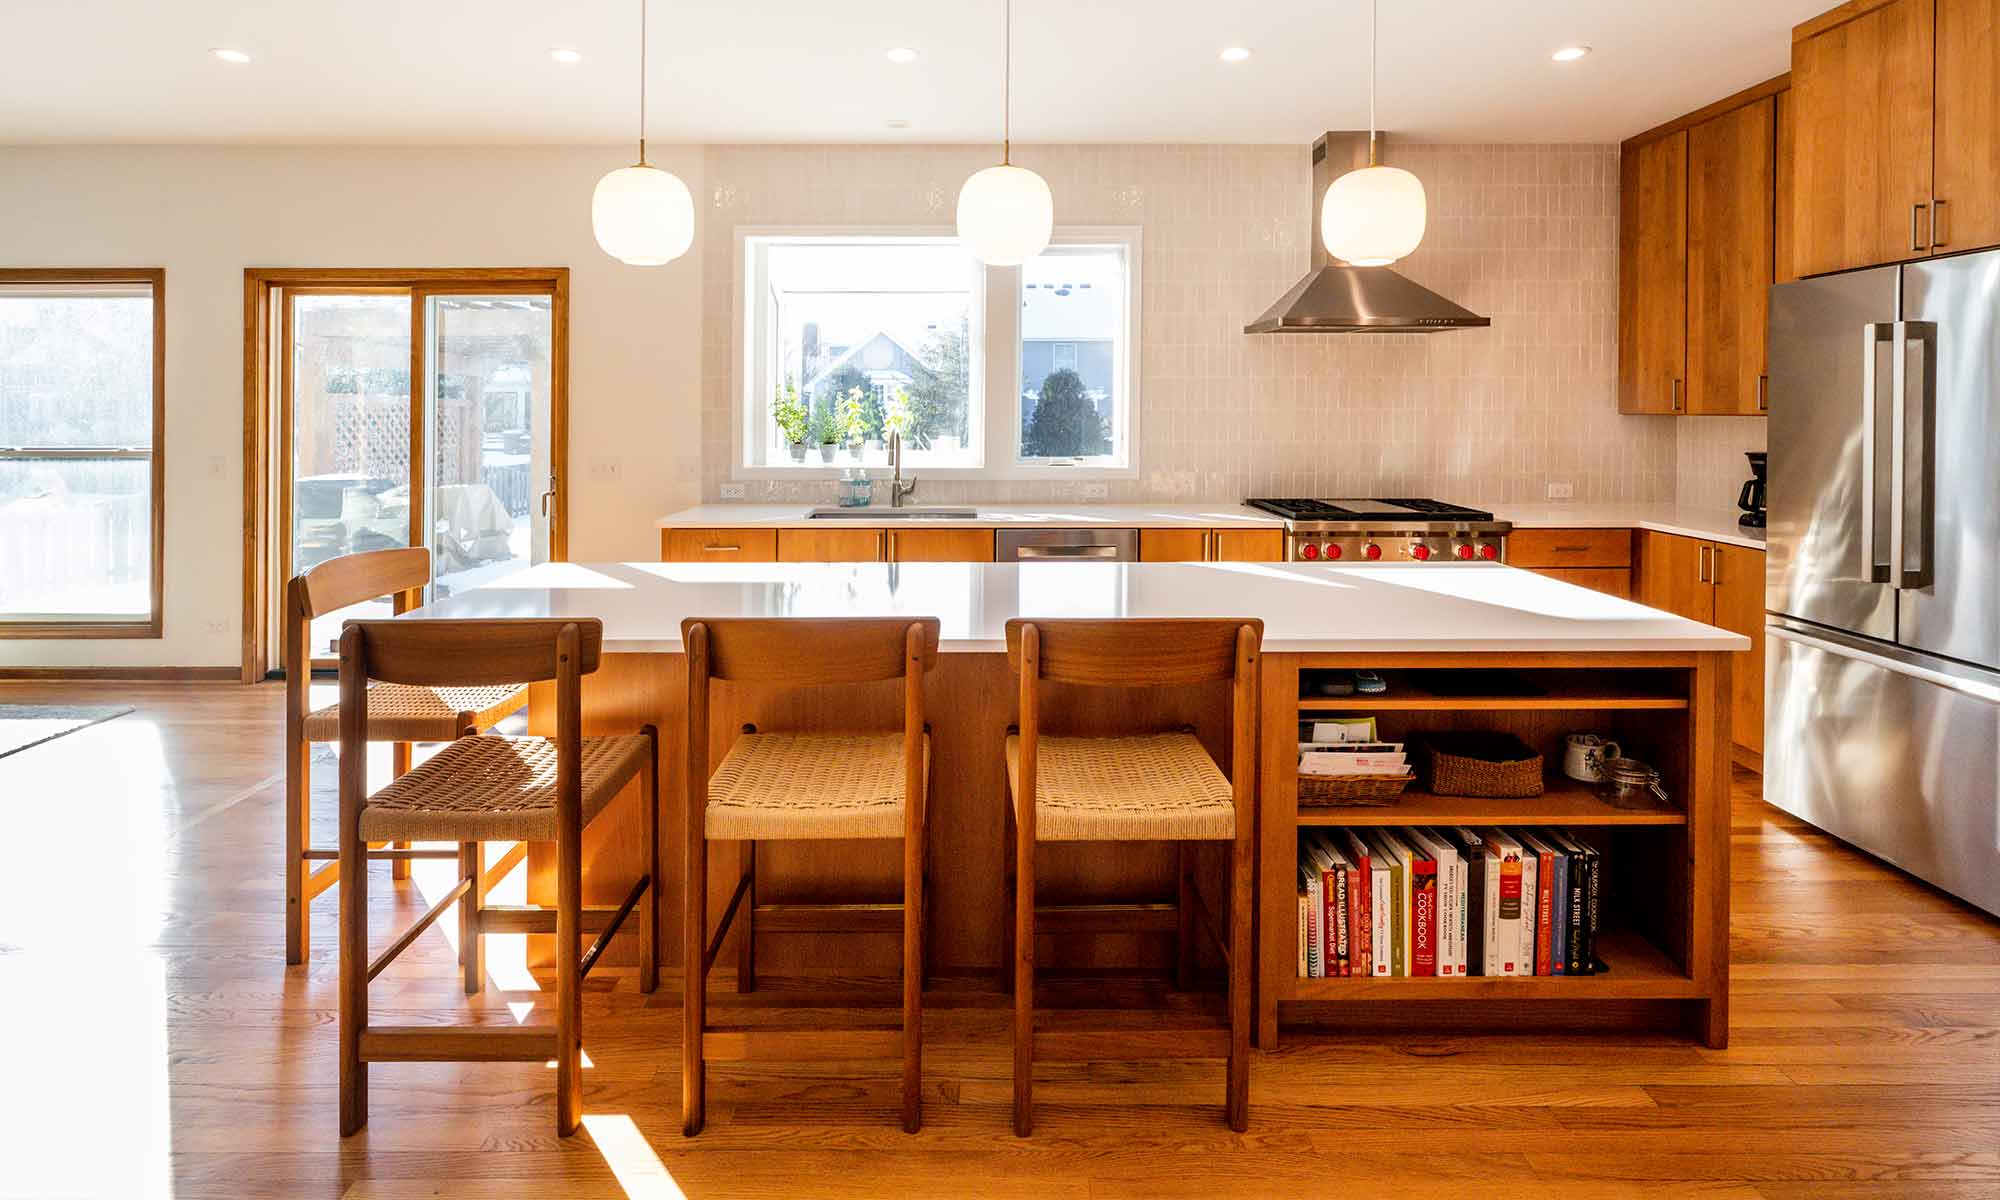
(1336, 298)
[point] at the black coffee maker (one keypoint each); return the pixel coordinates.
(1751, 498)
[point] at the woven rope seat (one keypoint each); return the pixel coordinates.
(776, 786)
(496, 789)
(400, 713)
(1153, 787)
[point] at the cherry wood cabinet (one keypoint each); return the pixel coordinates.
(1965, 206)
(939, 545)
(841, 544)
(1599, 559)
(1732, 181)
(1716, 584)
(1211, 545)
(1173, 545)
(718, 545)
(1652, 276)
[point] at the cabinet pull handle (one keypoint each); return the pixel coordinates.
(890, 536)
(1701, 564)
(1675, 395)
(1570, 549)
(1937, 223)
(1916, 246)
(1715, 565)
(1763, 397)
(720, 549)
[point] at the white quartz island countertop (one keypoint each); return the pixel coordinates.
(1306, 608)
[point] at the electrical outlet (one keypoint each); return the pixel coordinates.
(606, 468)
(732, 491)
(1562, 491)
(1095, 491)
(218, 627)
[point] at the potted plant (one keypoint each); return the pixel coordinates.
(896, 414)
(851, 420)
(790, 416)
(825, 431)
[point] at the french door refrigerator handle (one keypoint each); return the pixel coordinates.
(1872, 337)
(1924, 334)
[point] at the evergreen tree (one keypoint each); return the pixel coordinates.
(1065, 423)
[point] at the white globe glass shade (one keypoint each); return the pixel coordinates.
(642, 216)
(1005, 215)
(1373, 216)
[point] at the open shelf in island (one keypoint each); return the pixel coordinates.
(1637, 971)
(1667, 936)
(1567, 803)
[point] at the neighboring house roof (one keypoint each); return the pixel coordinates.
(880, 351)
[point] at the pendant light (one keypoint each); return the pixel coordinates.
(1005, 213)
(1373, 215)
(642, 216)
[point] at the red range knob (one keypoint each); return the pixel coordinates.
(1420, 552)
(1371, 551)
(1489, 552)
(1331, 550)
(1463, 551)
(1308, 550)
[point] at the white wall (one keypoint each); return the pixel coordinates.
(205, 214)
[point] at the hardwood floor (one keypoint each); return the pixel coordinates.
(152, 1042)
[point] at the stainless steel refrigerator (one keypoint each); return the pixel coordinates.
(1882, 722)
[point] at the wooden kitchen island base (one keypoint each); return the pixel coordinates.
(1462, 648)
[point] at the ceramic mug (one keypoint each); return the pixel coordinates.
(1584, 755)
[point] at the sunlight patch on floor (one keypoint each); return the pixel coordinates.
(631, 1158)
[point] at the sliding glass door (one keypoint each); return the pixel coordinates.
(418, 415)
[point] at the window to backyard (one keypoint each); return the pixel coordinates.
(848, 338)
(81, 396)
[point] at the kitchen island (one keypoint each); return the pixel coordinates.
(1462, 646)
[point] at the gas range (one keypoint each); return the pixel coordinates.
(1383, 530)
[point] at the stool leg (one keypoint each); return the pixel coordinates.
(1185, 936)
(746, 919)
(694, 1016)
(1024, 984)
(649, 915)
(569, 989)
(298, 815)
(1237, 1101)
(400, 760)
(1008, 885)
(353, 950)
(913, 983)
(471, 943)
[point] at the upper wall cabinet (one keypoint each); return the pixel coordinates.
(1699, 227)
(1897, 127)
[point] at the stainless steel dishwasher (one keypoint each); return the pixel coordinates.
(1066, 545)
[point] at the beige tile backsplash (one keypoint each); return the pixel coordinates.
(1710, 458)
(1527, 235)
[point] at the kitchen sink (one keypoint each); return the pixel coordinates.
(873, 513)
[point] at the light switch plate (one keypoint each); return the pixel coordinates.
(732, 491)
(1562, 491)
(1095, 491)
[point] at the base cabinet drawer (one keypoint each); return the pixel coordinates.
(718, 545)
(1612, 581)
(939, 545)
(1248, 545)
(1537, 548)
(840, 544)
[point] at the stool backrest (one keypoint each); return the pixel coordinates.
(352, 578)
(1133, 652)
(810, 651)
(479, 652)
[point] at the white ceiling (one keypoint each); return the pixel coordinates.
(478, 71)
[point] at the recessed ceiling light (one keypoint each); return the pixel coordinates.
(903, 54)
(1570, 53)
(566, 56)
(1235, 54)
(228, 55)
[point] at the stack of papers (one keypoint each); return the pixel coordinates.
(1352, 758)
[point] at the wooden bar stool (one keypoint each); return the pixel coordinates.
(775, 786)
(396, 714)
(1152, 787)
(477, 789)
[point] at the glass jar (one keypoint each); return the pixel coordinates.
(1629, 783)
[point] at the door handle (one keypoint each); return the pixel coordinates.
(1916, 245)
(1924, 335)
(1067, 552)
(1872, 337)
(1937, 224)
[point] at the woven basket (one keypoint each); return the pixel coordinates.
(1351, 791)
(1483, 765)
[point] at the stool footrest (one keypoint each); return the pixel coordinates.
(457, 1043)
(1106, 918)
(1112, 1045)
(801, 1045)
(829, 918)
(530, 918)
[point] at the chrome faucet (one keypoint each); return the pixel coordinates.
(897, 488)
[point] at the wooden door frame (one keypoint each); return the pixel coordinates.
(259, 284)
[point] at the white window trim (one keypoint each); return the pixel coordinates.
(996, 313)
